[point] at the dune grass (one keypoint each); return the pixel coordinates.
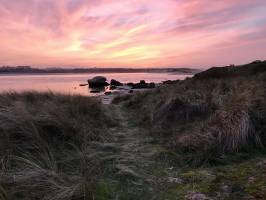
(45, 145)
(206, 117)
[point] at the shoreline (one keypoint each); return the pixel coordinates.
(107, 99)
(93, 73)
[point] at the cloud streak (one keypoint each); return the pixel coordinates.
(131, 33)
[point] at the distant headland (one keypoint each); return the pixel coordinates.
(32, 70)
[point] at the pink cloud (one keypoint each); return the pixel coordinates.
(130, 32)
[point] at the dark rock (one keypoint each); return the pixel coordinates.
(141, 85)
(81, 85)
(130, 84)
(95, 91)
(97, 81)
(131, 91)
(115, 83)
(168, 82)
(108, 93)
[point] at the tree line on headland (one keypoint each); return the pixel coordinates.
(29, 70)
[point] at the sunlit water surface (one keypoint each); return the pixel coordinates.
(69, 83)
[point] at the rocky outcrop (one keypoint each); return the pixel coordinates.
(115, 83)
(97, 81)
(142, 85)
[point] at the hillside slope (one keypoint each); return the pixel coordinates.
(251, 69)
(218, 111)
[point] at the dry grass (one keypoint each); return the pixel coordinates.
(233, 129)
(223, 132)
(3, 193)
(45, 145)
(207, 116)
(65, 117)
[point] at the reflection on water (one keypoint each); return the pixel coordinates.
(96, 90)
(69, 83)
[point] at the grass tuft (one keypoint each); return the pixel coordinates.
(45, 141)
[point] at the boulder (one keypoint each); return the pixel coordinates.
(141, 85)
(115, 83)
(97, 81)
(83, 84)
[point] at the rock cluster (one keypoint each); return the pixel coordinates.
(98, 84)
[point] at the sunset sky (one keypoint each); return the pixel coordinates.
(132, 33)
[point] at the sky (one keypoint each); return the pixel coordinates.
(132, 33)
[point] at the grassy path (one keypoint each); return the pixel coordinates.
(136, 170)
(133, 154)
(135, 151)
